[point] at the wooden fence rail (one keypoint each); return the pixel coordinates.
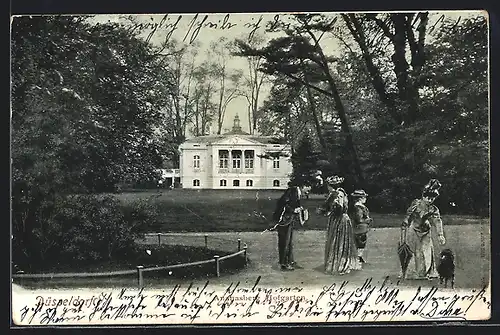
(139, 271)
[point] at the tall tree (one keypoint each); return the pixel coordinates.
(456, 100)
(180, 62)
(285, 114)
(305, 157)
(399, 40)
(300, 57)
(412, 120)
(203, 106)
(227, 80)
(109, 96)
(253, 81)
(85, 102)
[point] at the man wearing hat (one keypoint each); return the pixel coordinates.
(287, 216)
(361, 220)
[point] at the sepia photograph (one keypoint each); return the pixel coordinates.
(238, 168)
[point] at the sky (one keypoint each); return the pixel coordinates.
(206, 28)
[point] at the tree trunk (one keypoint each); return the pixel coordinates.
(346, 128)
(376, 78)
(317, 124)
(407, 98)
(219, 113)
(197, 118)
(250, 126)
(345, 125)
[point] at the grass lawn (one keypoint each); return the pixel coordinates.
(243, 210)
(227, 215)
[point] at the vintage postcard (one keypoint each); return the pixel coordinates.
(250, 168)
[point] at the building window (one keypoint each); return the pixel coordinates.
(196, 182)
(276, 183)
(223, 159)
(236, 182)
(249, 155)
(236, 154)
(249, 182)
(196, 161)
(276, 163)
(223, 182)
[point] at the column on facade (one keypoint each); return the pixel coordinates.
(215, 161)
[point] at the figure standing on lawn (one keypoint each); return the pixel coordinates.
(361, 221)
(340, 247)
(417, 224)
(288, 214)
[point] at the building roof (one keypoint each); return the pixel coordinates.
(236, 127)
(209, 139)
(236, 132)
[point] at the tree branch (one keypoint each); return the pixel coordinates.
(376, 78)
(382, 25)
(318, 89)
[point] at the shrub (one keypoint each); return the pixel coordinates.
(82, 229)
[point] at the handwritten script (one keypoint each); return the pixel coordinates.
(341, 301)
(189, 28)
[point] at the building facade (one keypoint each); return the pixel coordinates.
(234, 160)
(169, 178)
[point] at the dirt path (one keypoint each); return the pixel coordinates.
(470, 243)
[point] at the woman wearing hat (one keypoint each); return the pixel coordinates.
(340, 247)
(420, 217)
(361, 220)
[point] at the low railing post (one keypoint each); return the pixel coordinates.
(239, 244)
(217, 266)
(245, 254)
(140, 279)
(159, 239)
(206, 241)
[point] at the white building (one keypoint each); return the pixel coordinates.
(169, 177)
(234, 160)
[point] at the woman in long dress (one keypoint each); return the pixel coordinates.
(420, 217)
(340, 248)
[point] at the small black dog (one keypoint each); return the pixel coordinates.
(446, 267)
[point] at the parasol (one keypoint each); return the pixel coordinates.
(404, 252)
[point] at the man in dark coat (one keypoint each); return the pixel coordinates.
(286, 216)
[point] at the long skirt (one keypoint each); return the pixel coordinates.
(340, 249)
(285, 240)
(423, 264)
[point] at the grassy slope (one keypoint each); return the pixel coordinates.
(233, 210)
